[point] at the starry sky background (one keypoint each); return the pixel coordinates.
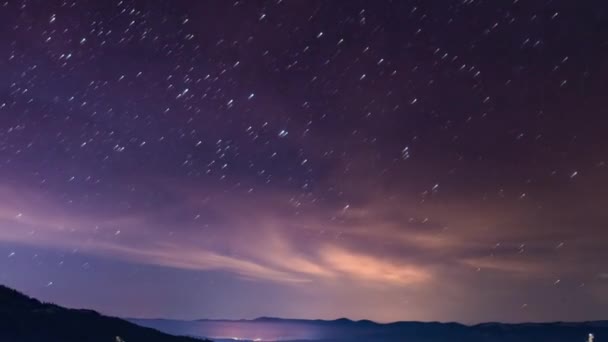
(389, 160)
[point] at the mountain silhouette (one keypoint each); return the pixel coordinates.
(346, 330)
(24, 319)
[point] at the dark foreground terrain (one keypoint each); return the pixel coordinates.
(24, 319)
(344, 330)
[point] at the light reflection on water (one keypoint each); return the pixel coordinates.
(244, 330)
(264, 331)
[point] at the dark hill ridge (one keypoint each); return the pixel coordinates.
(24, 319)
(346, 330)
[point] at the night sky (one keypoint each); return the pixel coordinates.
(389, 160)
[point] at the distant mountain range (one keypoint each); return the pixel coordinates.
(343, 330)
(24, 319)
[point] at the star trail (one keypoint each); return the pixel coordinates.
(387, 160)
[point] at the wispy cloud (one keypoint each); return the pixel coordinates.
(371, 244)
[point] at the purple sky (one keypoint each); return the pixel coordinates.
(388, 160)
